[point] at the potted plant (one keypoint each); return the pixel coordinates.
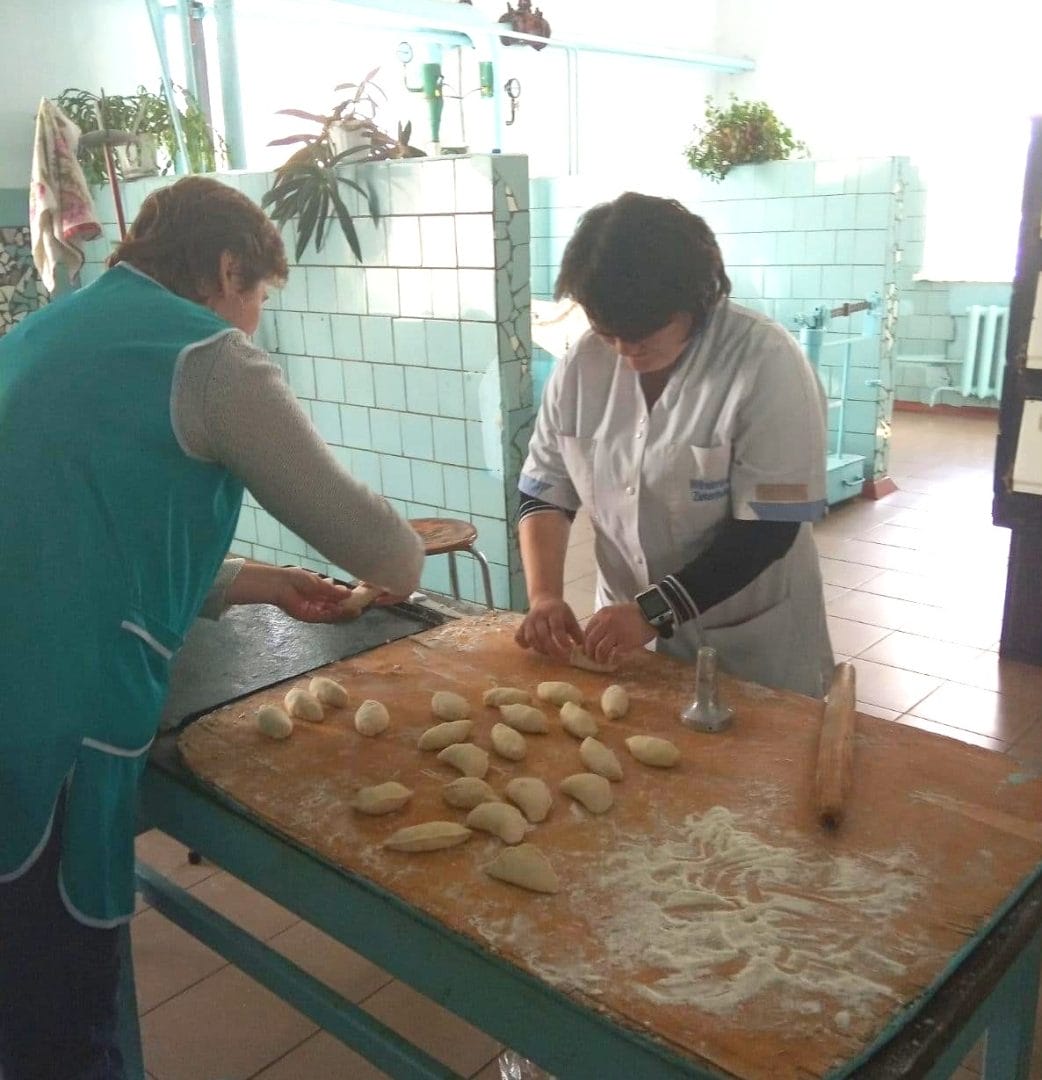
(307, 185)
(146, 114)
(743, 133)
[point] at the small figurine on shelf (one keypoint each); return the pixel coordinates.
(525, 21)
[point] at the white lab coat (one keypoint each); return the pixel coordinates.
(739, 431)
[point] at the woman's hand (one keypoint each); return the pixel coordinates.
(619, 628)
(300, 593)
(550, 627)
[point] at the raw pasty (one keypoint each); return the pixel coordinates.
(577, 721)
(371, 718)
(328, 691)
(525, 718)
(468, 792)
(442, 735)
(615, 702)
(449, 706)
(600, 759)
(500, 819)
(382, 798)
(506, 695)
(649, 750)
(557, 693)
(304, 706)
(274, 722)
(590, 789)
(508, 743)
(532, 795)
(430, 836)
(524, 865)
(471, 760)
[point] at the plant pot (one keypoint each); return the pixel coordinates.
(138, 158)
(350, 136)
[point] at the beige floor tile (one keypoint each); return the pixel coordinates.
(582, 529)
(246, 907)
(341, 968)
(440, 1033)
(962, 628)
(833, 592)
(170, 858)
(900, 536)
(914, 587)
(890, 687)
(877, 711)
(983, 711)
(990, 672)
(949, 732)
(579, 561)
(884, 611)
(226, 1027)
(925, 655)
(880, 555)
(322, 1057)
(167, 960)
(848, 575)
(850, 637)
(579, 595)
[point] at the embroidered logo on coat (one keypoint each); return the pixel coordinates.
(707, 490)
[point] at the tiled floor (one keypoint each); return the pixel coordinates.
(915, 591)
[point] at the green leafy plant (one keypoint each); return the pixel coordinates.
(742, 133)
(307, 185)
(143, 113)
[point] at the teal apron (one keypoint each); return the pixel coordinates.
(110, 538)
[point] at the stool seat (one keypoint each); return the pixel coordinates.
(446, 536)
(441, 535)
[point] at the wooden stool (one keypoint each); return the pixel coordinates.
(446, 536)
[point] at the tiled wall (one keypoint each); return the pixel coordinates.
(414, 366)
(21, 290)
(795, 235)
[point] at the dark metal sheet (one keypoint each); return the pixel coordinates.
(257, 645)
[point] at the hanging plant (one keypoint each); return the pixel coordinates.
(743, 133)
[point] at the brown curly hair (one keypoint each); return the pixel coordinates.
(635, 263)
(182, 230)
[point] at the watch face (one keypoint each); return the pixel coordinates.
(654, 606)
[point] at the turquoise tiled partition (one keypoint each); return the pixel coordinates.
(415, 365)
(21, 290)
(795, 235)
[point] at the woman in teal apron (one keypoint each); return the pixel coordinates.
(117, 511)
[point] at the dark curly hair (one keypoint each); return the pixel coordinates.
(635, 263)
(182, 230)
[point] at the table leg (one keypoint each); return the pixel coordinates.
(1007, 1054)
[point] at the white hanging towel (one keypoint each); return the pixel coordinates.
(61, 211)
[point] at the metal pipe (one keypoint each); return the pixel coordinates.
(184, 18)
(231, 97)
(155, 15)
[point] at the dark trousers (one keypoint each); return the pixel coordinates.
(58, 982)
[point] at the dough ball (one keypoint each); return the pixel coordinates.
(274, 722)
(328, 692)
(506, 695)
(304, 706)
(557, 693)
(577, 721)
(590, 789)
(430, 836)
(532, 795)
(506, 822)
(382, 798)
(526, 866)
(449, 706)
(508, 743)
(649, 750)
(525, 718)
(361, 597)
(615, 703)
(579, 659)
(468, 792)
(371, 717)
(600, 759)
(442, 735)
(471, 760)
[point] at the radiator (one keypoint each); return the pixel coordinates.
(984, 360)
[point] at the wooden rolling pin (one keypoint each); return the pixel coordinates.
(836, 747)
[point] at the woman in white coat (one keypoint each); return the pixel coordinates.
(692, 431)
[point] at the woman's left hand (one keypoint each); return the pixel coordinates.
(300, 593)
(619, 628)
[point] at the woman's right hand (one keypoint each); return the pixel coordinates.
(550, 627)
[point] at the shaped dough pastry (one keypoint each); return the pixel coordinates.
(615, 702)
(382, 798)
(506, 695)
(361, 597)
(430, 836)
(471, 760)
(532, 795)
(577, 721)
(525, 718)
(468, 792)
(600, 759)
(506, 822)
(508, 743)
(371, 718)
(652, 751)
(526, 866)
(274, 722)
(590, 789)
(442, 735)
(579, 659)
(328, 692)
(557, 693)
(304, 706)
(449, 706)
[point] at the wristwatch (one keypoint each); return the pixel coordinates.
(657, 611)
